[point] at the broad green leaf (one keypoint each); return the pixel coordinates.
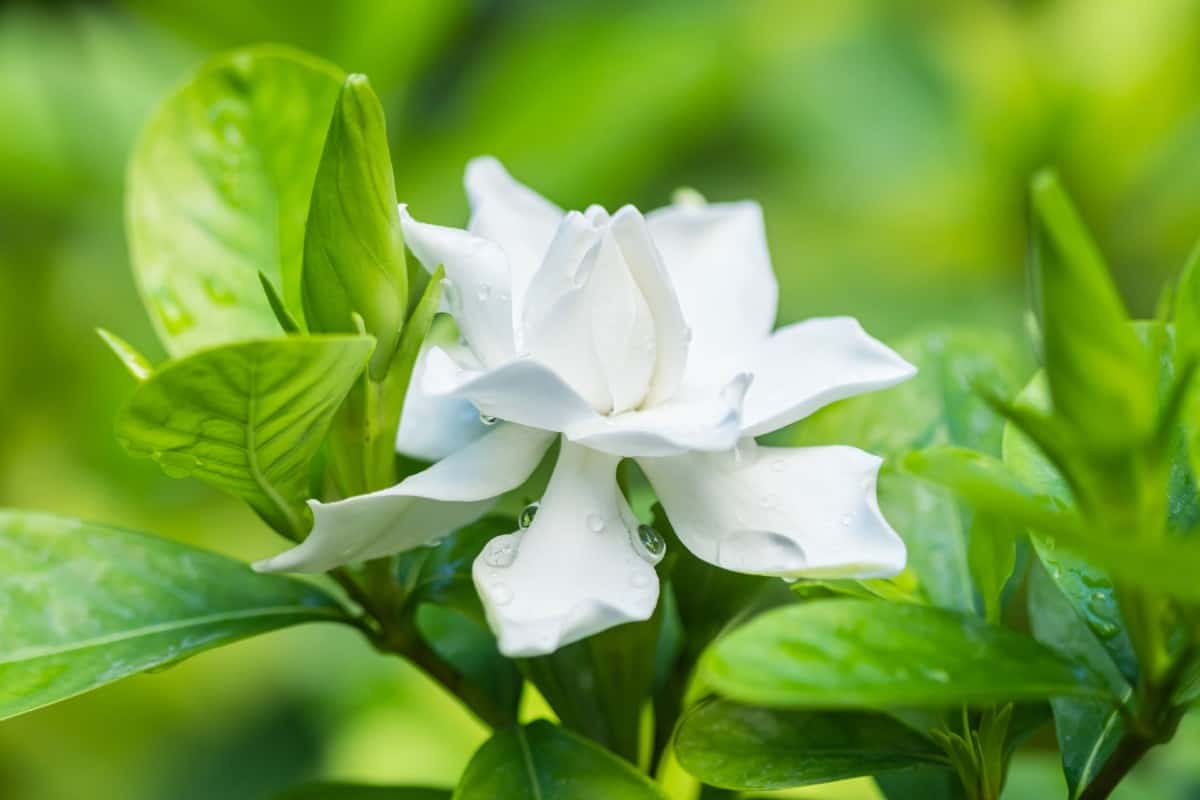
(943, 404)
(219, 187)
(137, 364)
(846, 653)
(470, 647)
(1089, 729)
(992, 554)
(351, 791)
(1100, 378)
(924, 782)
(1164, 567)
(353, 245)
(742, 747)
(246, 417)
(541, 761)
(83, 605)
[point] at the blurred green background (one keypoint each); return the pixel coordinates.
(888, 141)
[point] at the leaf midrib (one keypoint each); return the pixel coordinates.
(256, 472)
(44, 651)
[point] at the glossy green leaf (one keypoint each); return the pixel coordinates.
(541, 761)
(1097, 369)
(992, 555)
(469, 646)
(352, 791)
(246, 418)
(942, 404)
(83, 605)
(846, 653)
(1088, 729)
(735, 746)
(1165, 567)
(219, 188)
(353, 245)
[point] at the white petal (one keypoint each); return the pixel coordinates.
(802, 512)
(424, 506)
(522, 391)
(671, 333)
(479, 291)
(575, 571)
(692, 420)
(805, 366)
(433, 427)
(622, 326)
(717, 259)
(557, 325)
(513, 216)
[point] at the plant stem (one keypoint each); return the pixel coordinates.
(1128, 753)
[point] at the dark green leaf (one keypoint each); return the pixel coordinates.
(1089, 729)
(1100, 378)
(246, 417)
(351, 791)
(743, 747)
(941, 405)
(470, 647)
(83, 605)
(219, 188)
(541, 761)
(846, 653)
(353, 245)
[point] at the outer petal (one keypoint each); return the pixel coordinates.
(512, 215)
(805, 366)
(575, 571)
(432, 428)
(479, 294)
(671, 333)
(716, 256)
(802, 512)
(522, 391)
(424, 506)
(692, 420)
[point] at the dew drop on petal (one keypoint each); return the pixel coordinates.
(595, 523)
(500, 593)
(778, 465)
(501, 552)
(649, 544)
(768, 500)
(527, 514)
(487, 419)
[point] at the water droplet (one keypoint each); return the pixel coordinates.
(939, 675)
(778, 465)
(487, 419)
(649, 543)
(639, 579)
(595, 523)
(527, 514)
(175, 318)
(434, 542)
(500, 593)
(218, 291)
(768, 500)
(484, 292)
(501, 552)
(1106, 630)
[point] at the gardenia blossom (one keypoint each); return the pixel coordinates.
(621, 336)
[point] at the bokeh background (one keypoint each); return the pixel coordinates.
(888, 141)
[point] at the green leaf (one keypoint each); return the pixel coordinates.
(470, 647)
(742, 747)
(541, 761)
(219, 187)
(84, 605)
(846, 653)
(1162, 567)
(353, 245)
(278, 308)
(992, 555)
(941, 405)
(246, 418)
(350, 791)
(1089, 729)
(1100, 378)
(137, 364)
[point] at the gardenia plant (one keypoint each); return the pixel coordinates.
(623, 336)
(1044, 570)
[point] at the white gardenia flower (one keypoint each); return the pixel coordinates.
(623, 336)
